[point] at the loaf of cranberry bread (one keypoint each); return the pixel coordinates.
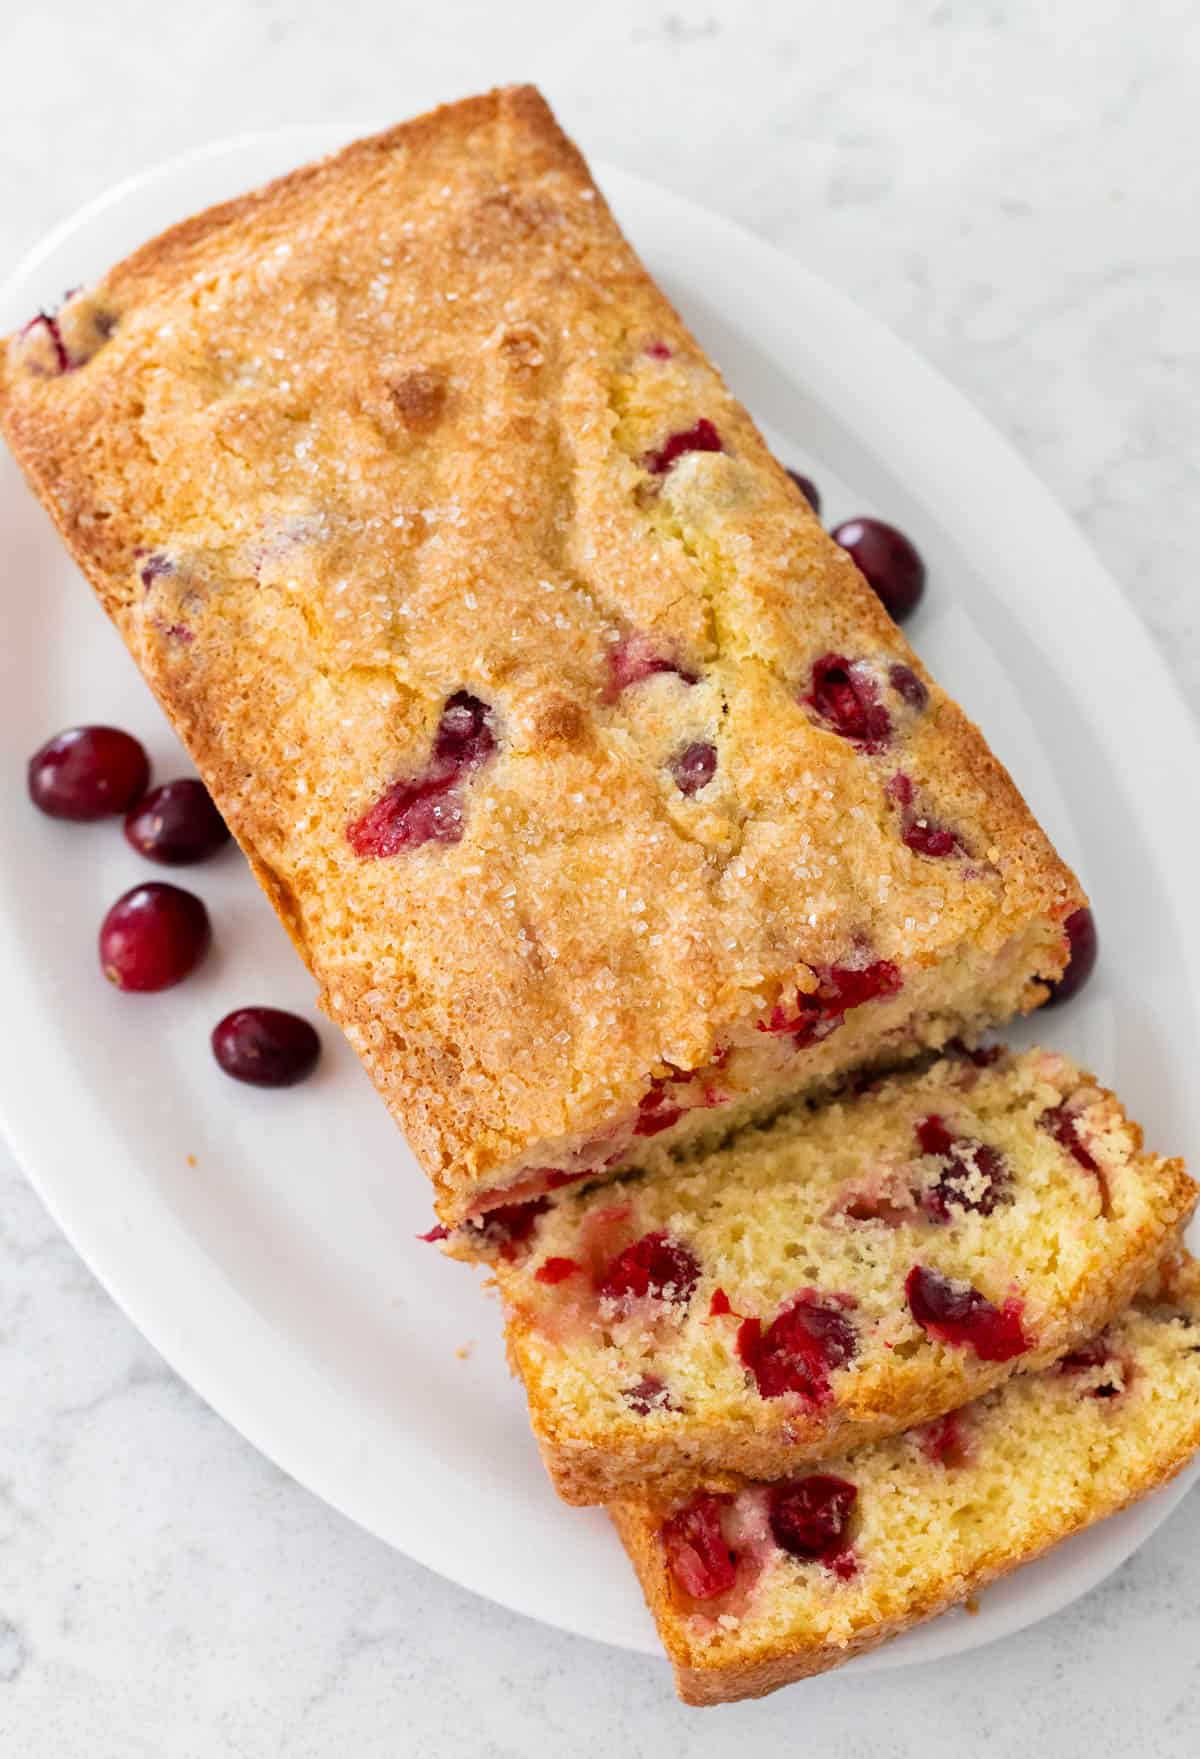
(787, 1579)
(600, 794)
(846, 1272)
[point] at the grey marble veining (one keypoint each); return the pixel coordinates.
(1015, 188)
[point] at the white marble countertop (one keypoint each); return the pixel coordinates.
(1014, 188)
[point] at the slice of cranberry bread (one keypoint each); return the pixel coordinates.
(851, 1270)
(592, 781)
(787, 1579)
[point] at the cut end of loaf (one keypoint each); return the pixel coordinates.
(925, 1519)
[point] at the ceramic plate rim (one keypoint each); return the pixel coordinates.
(22, 1088)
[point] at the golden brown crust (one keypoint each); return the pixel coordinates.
(1108, 1476)
(378, 433)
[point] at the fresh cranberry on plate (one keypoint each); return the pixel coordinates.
(88, 773)
(153, 937)
(891, 564)
(266, 1047)
(176, 824)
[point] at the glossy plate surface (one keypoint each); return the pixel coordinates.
(280, 1274)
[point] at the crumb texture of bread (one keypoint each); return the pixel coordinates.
(578, 760)
(924, 1520)
(754, 1308)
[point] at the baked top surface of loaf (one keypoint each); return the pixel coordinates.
(569, 747)
(789, 1579)
(789, 1294)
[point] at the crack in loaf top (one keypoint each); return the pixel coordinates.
(409, 438)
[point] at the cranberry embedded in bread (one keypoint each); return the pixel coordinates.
(390, 469)
(854, 1269)
(780, 1581)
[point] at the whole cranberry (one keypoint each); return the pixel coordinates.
(1083, 945)
(176, 824)
(88, 773)
(808, 489)
(153, 937)
(266, 1047)
(890, 562)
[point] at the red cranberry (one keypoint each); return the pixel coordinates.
(657, 349)
(650, 1394)
(636, 657)
(59, 358)
(694, 767)
(908, 686)
(153, 564)
(808, 489)
(845, 696)
(556, 1270)
(654, 1114)
(177, 824)
(888, 560)
(1083, 945)
(841, 988)
(925, 837)
(703, 437)
(849, 986)
(697, 1553)
(88, 773)
(1063, 1125)
(959, 1314)
(465, 737)
(653, 1123)
(437, 1232)
(975, 1176)
(918, 831)
(933, 1135)
(810, 1517)
(807, 1340)
(508, 1225)
(428, 807)
(153, 937)
(265, 1047)
(48, 321)
(719, 1304)
(656, 1265)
